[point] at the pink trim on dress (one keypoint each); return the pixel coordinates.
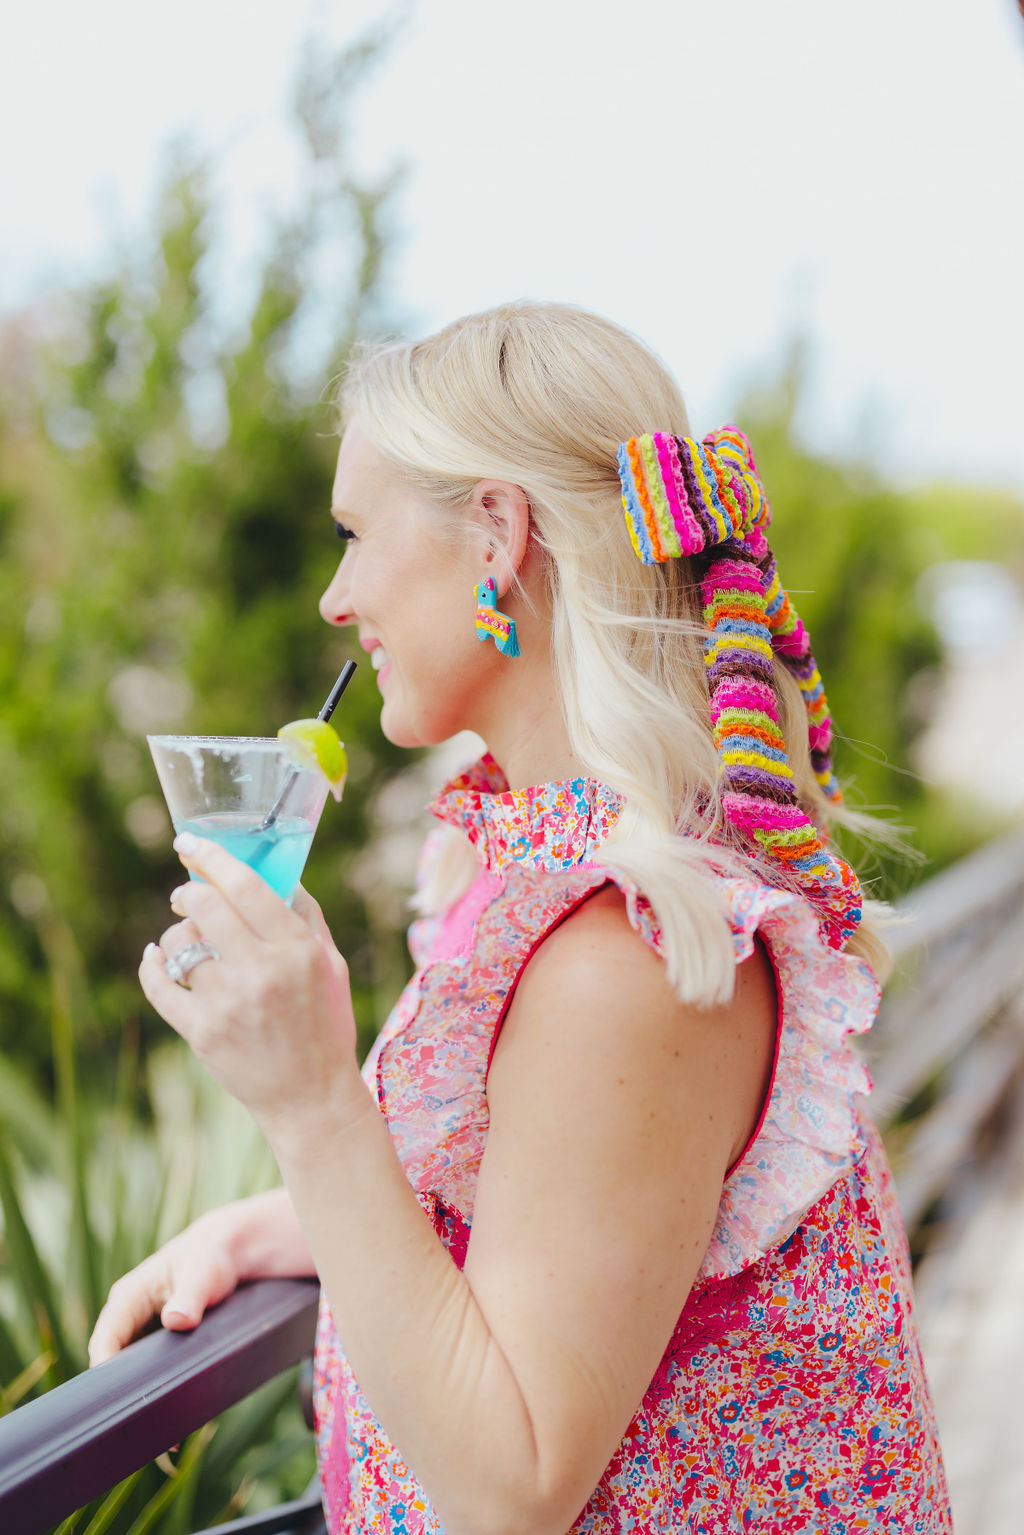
(776, 1053)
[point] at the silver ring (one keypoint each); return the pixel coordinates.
(179, 966)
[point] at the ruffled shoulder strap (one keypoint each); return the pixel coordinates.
(811, 1130)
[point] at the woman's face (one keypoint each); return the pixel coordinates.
(411, 593)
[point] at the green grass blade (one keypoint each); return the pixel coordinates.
(127, 1088)
(29, 1119)
(113, 1503)
(175, 1485)
(152, 1234)
(12, 1360)
(69, 1006)
(290, 1458)
(125, 1097)
(248, 1423)
(30, 1277)
(23, 1382)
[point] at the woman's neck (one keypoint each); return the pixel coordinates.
(530, 741)
(535, 761)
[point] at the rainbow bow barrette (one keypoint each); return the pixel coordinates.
(705, 500)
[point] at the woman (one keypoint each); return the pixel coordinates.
(606, 1240)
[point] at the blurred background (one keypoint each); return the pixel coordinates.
(812, 212)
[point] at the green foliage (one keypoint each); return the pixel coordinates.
(86, 1192)
(164, 538)
(165, 474)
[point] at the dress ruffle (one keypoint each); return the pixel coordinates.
(552, 826)
(811, 1132)
(812, 1129)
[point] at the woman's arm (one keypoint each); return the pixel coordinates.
(256, 1238)
(615, 1113)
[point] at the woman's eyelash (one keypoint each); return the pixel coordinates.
(342, 531)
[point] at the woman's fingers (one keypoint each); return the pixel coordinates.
(193, 1271)
(170, 1000)
(132, 1302)
(249, 897)
(213, 917)
(201, 1283)
(304, 906)
(178, 936)
(235, 1011)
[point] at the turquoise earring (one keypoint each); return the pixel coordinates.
(490, 624)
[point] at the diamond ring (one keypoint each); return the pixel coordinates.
(179, 966)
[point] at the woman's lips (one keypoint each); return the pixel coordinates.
(379, 658)
(381, 662)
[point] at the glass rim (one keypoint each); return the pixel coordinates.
(195, 740)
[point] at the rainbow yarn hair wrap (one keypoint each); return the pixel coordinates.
(705, 500)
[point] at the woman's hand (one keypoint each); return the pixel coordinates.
(271, 1018)
(192, 1271)
(254, 1238)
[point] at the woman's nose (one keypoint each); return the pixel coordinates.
(335, 607)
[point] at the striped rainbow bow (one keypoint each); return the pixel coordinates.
(705, 499)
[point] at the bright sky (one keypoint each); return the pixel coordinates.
(716, 176)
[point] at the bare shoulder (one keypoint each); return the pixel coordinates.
(595, 1007)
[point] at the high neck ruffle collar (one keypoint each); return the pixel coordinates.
(550, 826)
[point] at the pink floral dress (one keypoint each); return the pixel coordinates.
(791, 1395)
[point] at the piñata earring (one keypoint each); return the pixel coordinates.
(490, 624)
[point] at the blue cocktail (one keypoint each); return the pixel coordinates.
(278, 854)
(247, 794)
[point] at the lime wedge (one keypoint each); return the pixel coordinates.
(313, 744)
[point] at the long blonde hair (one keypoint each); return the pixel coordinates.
(541, 395)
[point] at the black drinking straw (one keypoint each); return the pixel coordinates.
(345, 676)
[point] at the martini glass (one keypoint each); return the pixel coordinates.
(248, 795)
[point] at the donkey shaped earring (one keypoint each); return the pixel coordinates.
(490, 624)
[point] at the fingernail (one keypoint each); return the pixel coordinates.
(185, 843)
(177, 1314)
(177, 893)
(150, 949)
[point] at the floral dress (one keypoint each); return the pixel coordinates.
(791, 1395)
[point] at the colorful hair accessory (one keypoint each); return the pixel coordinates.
(705, 499)
(490, 624)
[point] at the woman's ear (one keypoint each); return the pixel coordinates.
(502, 513)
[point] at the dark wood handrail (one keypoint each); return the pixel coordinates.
(64, 1449)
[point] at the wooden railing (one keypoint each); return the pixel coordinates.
(947, 1051)
(947, 1057)
(62, 1450)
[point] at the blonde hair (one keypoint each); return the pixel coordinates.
(541, 395)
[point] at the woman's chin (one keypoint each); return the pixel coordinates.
(397, 729)
(401, 731)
